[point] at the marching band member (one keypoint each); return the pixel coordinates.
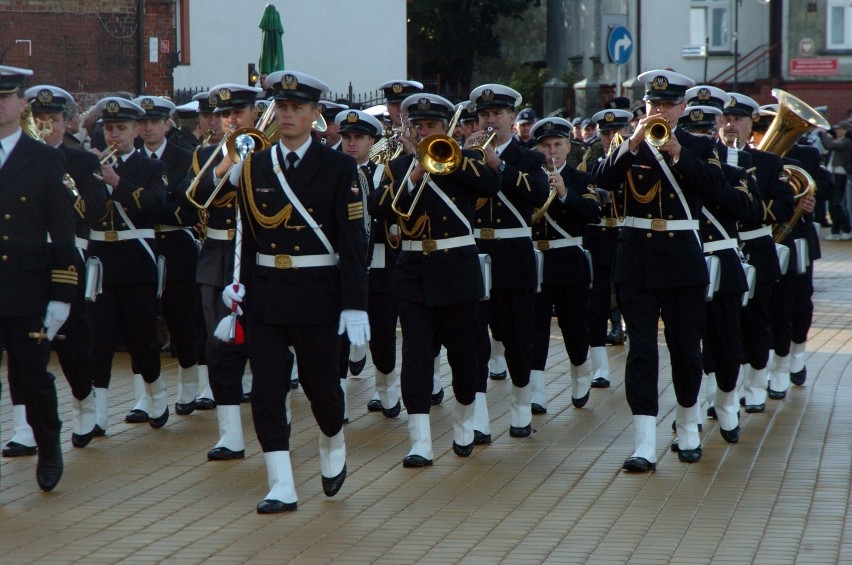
(331, 136)
(124, 241)
(395, 92)
(37, 266)
(567, 271)
(437, 279)
(226, 362)
(659, 267)
(181, 299)
(503, 232)
(304, 281)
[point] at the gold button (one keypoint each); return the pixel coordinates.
(649, 216)
(671, 217)
(446, 250)
(707, 222)
(297, 248)
(23, 198)
(311, 210)
(446, 234)
(710, 237)
(671, 234)
(671, 195)
(102, 223)
(230, 205)
(5, 238)
(640, 177)
(443, 218)
(273, 245)
(5, 257)
(123, 225)
(263, 205)
(478, 220)
(228, 221)
(162, 236)
(499, 204)
(125, 208)
(453, 198)
(648, 235)
(498, 220)
(7, 217)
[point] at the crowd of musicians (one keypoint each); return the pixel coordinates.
(282, 232)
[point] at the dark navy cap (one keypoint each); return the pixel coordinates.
(293, 85)
(662, 84)
(706, 95)
(638, 111)
(618, 103)
(699, 117)
(741, 105)
(467, 114)
(358, 121)
(399, 90)
(330, 110)
(206, 102)
(551, 127)
(489, 96)
(188, 110)
(13, 78)
(612, 119)
(156, 107)
(48, 98)
(115, 109)
(525, 116)
(231, 96)
(424, 105)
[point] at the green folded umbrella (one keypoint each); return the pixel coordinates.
(272, 48)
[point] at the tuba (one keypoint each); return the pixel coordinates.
(794, 119)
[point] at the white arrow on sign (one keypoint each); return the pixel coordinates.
(622, 44)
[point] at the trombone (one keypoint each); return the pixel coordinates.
(439, 154)
(240, 143)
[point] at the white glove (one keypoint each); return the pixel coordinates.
(57, 313)
(234, 293)
(356, 324)
(236, 172)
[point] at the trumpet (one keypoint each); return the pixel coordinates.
(439, 154)
(657, 132)
(480, 146)
(540, 212)
(108, 157)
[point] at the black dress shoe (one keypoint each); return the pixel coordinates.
(184, 409)
(225, 454)
(480, 438)
(731, 436)
(438, 397)
(687, 455)
(82, 440)
(777, 395)
(498, 376)
(294, 384)
(49, 468)
(742, 401)
(798, 378)
(275, 506)
(392, 412)
(616, 337)
(580, 402)
(159, 421)
(15, 449)
(136, 416)
(638, 465)
(711, 412)
(523, 431)
(245, 398)
(414, 461)
(463, 450)
(375, 405)
(755, 408)
(331, 486)
(600, 382)
(355, 367)
(538, 409)
(205, 404)
(98, 431)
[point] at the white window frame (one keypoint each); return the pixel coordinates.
(725, 43)
(845, 41)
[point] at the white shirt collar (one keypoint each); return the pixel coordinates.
(502, 148)
(300, 151)
(158, 151)
(9, 142)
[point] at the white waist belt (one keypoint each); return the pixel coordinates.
(165, 229)
(754, 234)
(546, 244)
(507, 233)
(121, 235)
(296, 261)
(430, 245)
(609, 223)
(711, 246)
(81, 243)
(222, 235)
(659, 224)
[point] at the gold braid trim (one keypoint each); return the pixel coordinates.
(225, 200)
(480, 202)
(267, 222)
(422, 224)
(196, 166)
(642, 198)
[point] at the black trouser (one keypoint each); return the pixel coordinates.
(29, 378)
(839, 214)
(570, 303)
(381, 309)
(600, 304)
(682, 311)
(782, 313)
(455, 326)
(723, 341)
(316, 347)
(130, 311)
(803, 304)
(510, 315)
(226, 362)
(756, 323)
(180, 305)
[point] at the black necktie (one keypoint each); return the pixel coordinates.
(154, 156)
(292, 157)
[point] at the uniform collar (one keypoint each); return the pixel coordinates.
(9, 142)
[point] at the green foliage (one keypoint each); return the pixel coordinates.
(529, 81)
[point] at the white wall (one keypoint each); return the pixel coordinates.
(337, 41)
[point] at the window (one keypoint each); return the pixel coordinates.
(839, 24)
(711, 20)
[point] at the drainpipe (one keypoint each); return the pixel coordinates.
(140, 46)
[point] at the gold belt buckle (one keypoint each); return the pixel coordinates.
(610, 222)
(486, 233)
(111, 235)
(283, 262)
(658, 224)
(542, 245)
(429, 245)
(231, 233)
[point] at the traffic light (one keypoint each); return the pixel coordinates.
(253, 75)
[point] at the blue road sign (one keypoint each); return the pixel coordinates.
(620, 45)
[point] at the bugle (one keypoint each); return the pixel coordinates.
(539, 213)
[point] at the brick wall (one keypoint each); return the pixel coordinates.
(88, 47)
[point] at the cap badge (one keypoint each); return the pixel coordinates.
(660, 83)
(704, 94)
(696, 115)
(45, 96)
(112, 107)
(224, 94)
(548, 126)
(487, 95)
(212, 100)
(733, 102)
(609, 117)
(423, 104)
(397, 88)
(352, 118)
(147, 104)
(262, 106)
(289, 82)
